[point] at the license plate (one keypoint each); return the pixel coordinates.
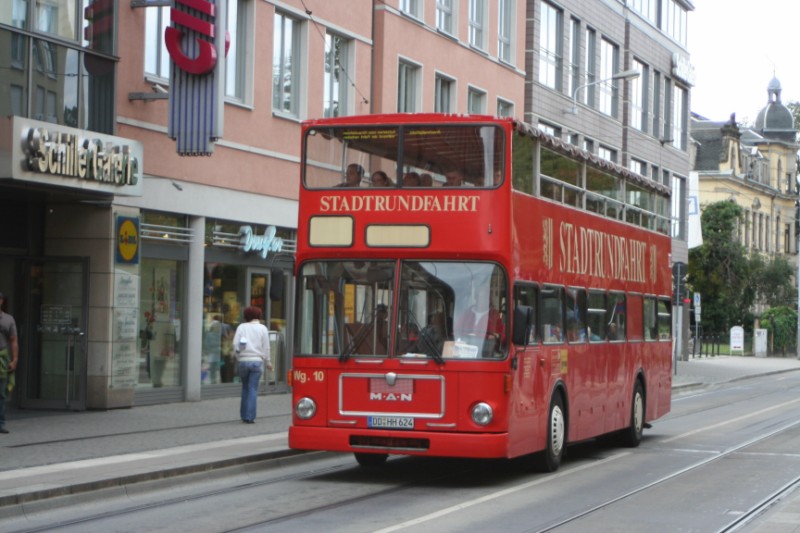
(391, 422)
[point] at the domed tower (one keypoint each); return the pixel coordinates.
(775, 121)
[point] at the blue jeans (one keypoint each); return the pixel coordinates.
(250, 375)
(3, 396)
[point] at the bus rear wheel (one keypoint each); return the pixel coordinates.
(371, 459)
(632, 435)
(550, 459)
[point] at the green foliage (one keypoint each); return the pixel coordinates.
(730, 280)
(721, 271)
(781, 323)
(774, 281)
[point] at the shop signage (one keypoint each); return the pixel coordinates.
(203, 38)
(682, 69)
(196, 42)
(262, 244)
(51, 154)
(66, 154)
(127, 240)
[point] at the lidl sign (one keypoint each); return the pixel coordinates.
(127, 240)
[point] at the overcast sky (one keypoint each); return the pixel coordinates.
(736, 46)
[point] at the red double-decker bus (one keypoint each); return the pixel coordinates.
(473, 287)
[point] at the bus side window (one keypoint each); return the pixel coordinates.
(526, 299)
(649, 318)
(615, 317)
(552, 309)
(596, 316)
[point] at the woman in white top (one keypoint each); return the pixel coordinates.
(251, 346)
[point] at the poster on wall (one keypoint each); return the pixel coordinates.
(124, 353)
(126, 290)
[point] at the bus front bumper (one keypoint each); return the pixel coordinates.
(427, 443)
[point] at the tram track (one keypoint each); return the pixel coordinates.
(165, 503)
(740, 520)
(741, 386)
(401, 476)
(416, 481)
(136, 432)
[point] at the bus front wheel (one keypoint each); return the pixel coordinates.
(550, 459)
(371, 459)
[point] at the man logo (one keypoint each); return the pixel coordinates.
(390, 397)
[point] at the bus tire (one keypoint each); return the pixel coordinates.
(632, 435)
(550, 459)
(371, 459)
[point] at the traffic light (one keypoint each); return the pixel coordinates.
(680, 272)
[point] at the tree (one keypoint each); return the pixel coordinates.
(781, 323)
(774, 281)
(721, 270)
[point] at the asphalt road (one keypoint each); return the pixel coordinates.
(710, 465)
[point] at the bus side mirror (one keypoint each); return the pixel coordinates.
(523, 322)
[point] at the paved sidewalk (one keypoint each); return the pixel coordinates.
(51, 453)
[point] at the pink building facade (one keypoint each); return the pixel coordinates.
(137, 279)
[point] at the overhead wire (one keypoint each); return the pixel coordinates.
(343, 68)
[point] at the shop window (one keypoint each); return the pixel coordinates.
(228, 289)
(161, 309)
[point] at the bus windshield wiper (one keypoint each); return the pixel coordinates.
(355, 342)
(431, 349)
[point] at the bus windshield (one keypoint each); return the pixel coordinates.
(442, 309)
(465, 155)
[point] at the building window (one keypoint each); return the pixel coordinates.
(477, 23)
(444, 16)
(673, 20)
(657, 103)
(679, 117)
(504, 108)
(476, 101)
(640, 167)
(647, 8)
(609, 60)
(550, 46)
(285, 65)
(335, 98)
(505, 16)
(57, 17)
(679, 205)
(638, 97)
(591, 67)
(604, 152)
(156, 57)
(444, 94)
(18, 16)
(553, 131)
(573, 71)
(236, 65)
(410, 7)
(668, 114)
(407, 79)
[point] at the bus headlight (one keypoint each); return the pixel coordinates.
(305, 408)
(482, 413)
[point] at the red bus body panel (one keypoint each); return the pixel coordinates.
(535, 240)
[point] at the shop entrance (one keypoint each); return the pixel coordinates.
(262, 285)
(53, 305)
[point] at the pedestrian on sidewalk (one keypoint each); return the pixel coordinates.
(9, 354)
(251, 345)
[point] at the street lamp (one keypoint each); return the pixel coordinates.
(623, 75)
